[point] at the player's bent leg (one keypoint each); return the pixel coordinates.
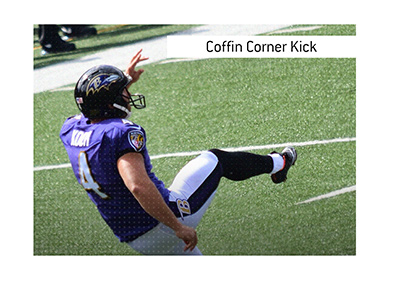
(194, 219)
(194, 185)
(191, 193)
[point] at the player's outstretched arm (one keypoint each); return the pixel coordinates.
(130, 70)
(132, 170)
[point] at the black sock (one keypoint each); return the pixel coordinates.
(238, 166)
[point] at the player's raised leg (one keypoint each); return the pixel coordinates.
(239, 166)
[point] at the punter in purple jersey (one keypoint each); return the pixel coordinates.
(110, 160)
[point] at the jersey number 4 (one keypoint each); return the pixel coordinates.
(87, 179)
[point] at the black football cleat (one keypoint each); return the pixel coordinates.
(289, 155)
(57, 46)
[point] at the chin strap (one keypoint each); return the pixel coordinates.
(124, 109)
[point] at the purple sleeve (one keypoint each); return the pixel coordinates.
(133, 139)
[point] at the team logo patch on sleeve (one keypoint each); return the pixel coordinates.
(136, 139)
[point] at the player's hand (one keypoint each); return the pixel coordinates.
(188, 235)
(135, 74)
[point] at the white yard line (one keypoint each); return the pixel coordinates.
(329, 195)
(298, 29)
(51, 167)
(248, 148)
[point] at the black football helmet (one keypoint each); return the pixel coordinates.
(98, 93)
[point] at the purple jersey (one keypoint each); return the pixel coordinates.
(93, 150)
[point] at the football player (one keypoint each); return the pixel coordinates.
(110, 160)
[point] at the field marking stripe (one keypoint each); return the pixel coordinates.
(250, 148)
(296, 29)
(51, 167)
(329, 195)
(232, 149)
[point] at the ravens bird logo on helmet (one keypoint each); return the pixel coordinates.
(101, 81)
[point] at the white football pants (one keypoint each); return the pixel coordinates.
(192, 191)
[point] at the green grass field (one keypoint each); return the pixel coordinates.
(222, 103)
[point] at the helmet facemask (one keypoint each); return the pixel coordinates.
(139, 102)
(122, 101)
